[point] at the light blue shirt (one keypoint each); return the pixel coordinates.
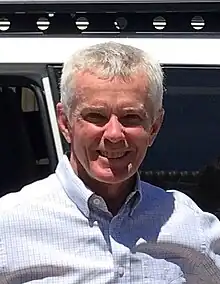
(57, 231)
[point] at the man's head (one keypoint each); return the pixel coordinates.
(110, 110)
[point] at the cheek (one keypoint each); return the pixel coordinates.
(139, 137)
(85, 135)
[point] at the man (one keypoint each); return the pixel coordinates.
(93, 220)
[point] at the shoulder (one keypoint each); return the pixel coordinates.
(179, 205)
(24, 215)
(183, 200)
(178, 198)
(35, 192)
(182, 216)
(36, 207)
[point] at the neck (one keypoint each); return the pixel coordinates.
(114, 194)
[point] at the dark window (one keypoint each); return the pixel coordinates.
(190, 136)
(23, 147)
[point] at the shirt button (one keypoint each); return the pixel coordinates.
(96, 201)
(121, 271)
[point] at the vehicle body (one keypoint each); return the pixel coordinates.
(31, 60)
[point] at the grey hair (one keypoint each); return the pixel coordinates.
(109, 60)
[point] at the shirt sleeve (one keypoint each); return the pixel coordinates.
(210, 232)
(3, 261)
(210, 225)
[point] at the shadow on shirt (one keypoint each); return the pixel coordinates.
(147, 219)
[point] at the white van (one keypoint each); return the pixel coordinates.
(36, 38)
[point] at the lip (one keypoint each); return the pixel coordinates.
(113, 155)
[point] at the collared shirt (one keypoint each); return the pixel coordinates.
(57, 231)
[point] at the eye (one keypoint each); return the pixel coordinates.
(96, 118)
(131, 119)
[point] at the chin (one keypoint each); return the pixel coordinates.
(108, 176)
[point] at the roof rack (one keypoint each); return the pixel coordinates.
(109, 17)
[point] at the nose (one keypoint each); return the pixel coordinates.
(114, 130)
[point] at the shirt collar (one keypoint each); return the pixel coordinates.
(73, 185)
(81, 195)
(135, 196)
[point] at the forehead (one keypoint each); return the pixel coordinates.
(92, 90)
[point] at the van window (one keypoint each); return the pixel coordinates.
(190, 136)
(23, 147)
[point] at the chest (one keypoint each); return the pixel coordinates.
(76, 251)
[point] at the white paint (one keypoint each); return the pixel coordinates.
(57, 50)
(52, 116)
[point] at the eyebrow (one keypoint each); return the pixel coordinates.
(134, 109)
(137, 109)
(93, 108)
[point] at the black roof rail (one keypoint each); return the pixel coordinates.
(109, 17)
(107, 5)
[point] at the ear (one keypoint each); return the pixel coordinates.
(156, 126)
(63, 122)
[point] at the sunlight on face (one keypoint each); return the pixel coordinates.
(111, 127)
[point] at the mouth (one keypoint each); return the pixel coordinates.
(113, 155)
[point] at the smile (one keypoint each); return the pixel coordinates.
(112, 155)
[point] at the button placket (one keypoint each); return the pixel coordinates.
(121, 271)
(96, 201)
(120, 253)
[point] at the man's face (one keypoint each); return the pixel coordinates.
(111, 127)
